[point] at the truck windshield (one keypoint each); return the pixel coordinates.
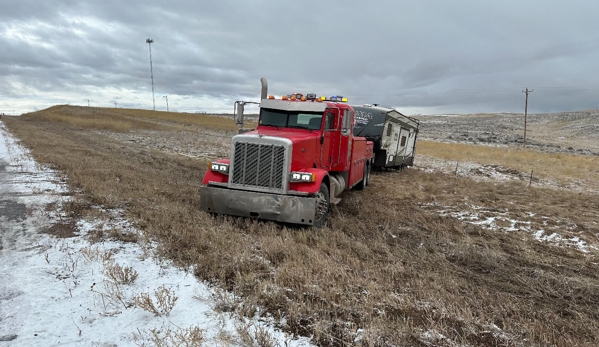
(291, 119)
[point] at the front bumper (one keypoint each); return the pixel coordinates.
(281, 208)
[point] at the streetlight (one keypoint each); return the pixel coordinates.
(149, 42)
(166, 96)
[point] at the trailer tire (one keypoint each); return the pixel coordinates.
(322, 206)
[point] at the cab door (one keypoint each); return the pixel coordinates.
(328, 141)
(344, 143)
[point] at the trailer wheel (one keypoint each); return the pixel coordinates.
(322, 206)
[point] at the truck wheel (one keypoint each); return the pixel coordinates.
(322, 206)
(365, 178)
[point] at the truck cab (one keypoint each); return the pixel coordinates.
(296, 163)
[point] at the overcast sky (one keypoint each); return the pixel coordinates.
(420, 56)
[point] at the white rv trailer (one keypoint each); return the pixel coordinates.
(394, 134)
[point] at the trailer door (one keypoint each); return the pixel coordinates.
(390, 141)
(410, 143)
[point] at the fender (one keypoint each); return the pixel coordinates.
(309, 187)
(217, 177)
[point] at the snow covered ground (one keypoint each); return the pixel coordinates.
(72, 292)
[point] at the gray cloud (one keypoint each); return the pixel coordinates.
(419, 56)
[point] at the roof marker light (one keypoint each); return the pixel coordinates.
(271, 96)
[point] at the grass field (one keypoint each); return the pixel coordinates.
(418, 259)
(561, 167)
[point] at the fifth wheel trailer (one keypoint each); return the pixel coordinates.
(393, 134)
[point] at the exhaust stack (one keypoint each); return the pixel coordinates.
(264, 93)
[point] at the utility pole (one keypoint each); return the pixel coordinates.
(149, 42)
(526, 110)
(166, 96)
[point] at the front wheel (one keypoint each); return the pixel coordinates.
(322, 206)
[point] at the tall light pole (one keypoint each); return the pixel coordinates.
(149, 42)
(166, 96)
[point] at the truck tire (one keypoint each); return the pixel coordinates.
(322, 206)
(365, 178)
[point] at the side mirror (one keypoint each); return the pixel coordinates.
(238, 113)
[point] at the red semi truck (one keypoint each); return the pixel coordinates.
(297, 162)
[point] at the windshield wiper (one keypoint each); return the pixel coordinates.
(297, 127)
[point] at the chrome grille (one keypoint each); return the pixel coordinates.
(258, 165)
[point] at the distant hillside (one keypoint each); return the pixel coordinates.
(576, 132)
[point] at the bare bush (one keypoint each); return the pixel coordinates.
(120, 274)
(112, 297)
(160, 305)
(95, 254)
(251, 335)
(169, 337)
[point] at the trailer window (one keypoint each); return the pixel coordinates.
(389, 129)
(403, 141)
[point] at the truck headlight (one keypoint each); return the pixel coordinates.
(219, 167)
(302, 177)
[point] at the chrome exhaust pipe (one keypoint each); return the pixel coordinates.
(264, 93)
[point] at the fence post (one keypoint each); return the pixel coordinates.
(530, 182)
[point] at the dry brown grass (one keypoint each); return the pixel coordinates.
(387, 270)
(94, 118)
(124, 120)
(559, 166)
(211, 121)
